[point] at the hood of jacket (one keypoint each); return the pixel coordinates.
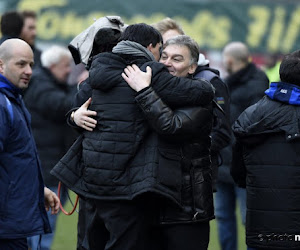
(81, 46)
(202, 68)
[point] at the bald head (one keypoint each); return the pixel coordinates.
(11, 46)
(16, 61)
(238, 50)
(235, 56)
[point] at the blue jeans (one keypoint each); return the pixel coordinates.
(44, 242)
(225, 205)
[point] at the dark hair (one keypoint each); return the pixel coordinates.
(11, 23)
(143, 34)
(105, 39)
(29, 13)
(289, 70)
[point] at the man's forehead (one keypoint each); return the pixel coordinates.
(174, 52)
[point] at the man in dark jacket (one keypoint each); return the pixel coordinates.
(48, 99)
(221, 132)
(246, 85)
(11, 25)
(121, 172)
(268, 157)
(23, 194)
(28, 34)
(185, 227)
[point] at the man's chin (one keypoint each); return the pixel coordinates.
(24, 85)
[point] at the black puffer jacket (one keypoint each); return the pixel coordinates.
(190, 128)
(48, 101)
(246, 87)
(122, 157)
(269, 164)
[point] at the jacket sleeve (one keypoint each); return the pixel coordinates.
(238, 169)
(183, 121)
(84, 93)
(180, 91)
(52, 102)
(221, 132)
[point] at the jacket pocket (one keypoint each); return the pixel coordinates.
(169, 169)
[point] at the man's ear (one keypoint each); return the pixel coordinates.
(150, 47)
(192, 68)
(1, 66)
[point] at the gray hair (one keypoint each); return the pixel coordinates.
(183, 40)
(53, 55)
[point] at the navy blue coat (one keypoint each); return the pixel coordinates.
(22, 209)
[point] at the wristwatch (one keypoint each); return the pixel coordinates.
(72, 116)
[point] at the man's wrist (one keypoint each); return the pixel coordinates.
(72, 116)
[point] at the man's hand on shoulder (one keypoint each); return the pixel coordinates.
(136, 78)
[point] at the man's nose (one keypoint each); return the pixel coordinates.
(28, 70)
(168, 61)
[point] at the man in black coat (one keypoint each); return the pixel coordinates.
(11, 25)
(29, 33)
(246, 84)
(221, 132)
(267, 161)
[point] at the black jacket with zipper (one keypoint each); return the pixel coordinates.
(189, 128)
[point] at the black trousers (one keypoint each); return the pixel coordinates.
(192, 236)
(13, 244)
(120, 225)
(90, 226)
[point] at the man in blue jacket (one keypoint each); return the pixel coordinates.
(23, 195)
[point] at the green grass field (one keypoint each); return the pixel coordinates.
(65, 238)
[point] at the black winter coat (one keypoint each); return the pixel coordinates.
(221, 131)
(190, 127)
(123, 157)
(268, 163)
(246, 87)
(48, 102)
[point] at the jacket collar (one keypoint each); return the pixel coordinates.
(284, 92)
(6, 84)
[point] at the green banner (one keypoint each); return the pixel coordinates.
(266, 26)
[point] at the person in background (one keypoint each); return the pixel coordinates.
(185, 227)
(48, 100)
(221, 131)
(246, 85)
(23, 194)
(271, 66)
(29, 33)
(267, 153)
(11, 25)
(168, 28)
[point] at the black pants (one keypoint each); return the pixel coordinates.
(193, 236)
(13, 244)
(90, 226)
(120, 225)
